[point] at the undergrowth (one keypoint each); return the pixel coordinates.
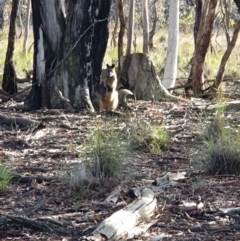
(150, 138)
(103, 158)
(5, 178)
(222, 146)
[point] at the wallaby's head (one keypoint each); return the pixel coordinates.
(111, 70)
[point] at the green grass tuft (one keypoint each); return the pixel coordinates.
(5, 178)
(147, 138)
(103, 153)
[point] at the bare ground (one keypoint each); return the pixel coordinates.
(44, 159)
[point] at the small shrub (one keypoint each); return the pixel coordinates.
(223, 153)
(79, 180)
(223, 157)
(103, 155)
(108, 149)
(153, 139)
(5, 178)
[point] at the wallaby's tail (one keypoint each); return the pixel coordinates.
(123, 93)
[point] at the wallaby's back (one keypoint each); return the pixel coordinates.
(106, 96)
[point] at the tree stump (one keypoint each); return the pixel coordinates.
(139, 75)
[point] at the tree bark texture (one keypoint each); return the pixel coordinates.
(198, 14)
(87, 31)
(225, 57)
(121, 33)
(2, 6)
(68, 52)
(130, 27)
(48, 30)
(154, 23)
(27, 24)
(9, 84)
(114, 33)
(145, 24)
(202, 44)
(170, 71)
(143, 80)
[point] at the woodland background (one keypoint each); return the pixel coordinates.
(154, 170)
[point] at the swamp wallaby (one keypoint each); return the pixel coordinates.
(106, 96)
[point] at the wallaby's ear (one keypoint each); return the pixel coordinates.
(108, 66)
(113, 66)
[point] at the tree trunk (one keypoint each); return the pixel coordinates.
(154, 20)
(225, 57)
(68, 69)
(198, 14)
(48, 30)
(19, 14)
(26, 35)
(202, 44)
(114, 33)
(121, 33)
(145, 23)
(2, 6)
(80, 72)
(130, 27)
(170, 72)
(143, 80)
(9, 84)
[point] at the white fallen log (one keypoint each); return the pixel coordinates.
(120, 224)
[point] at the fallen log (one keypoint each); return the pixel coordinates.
(19, 122)
(119, 224)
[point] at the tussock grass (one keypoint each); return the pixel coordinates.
(103, 153)
(148, 138)
(222, 147)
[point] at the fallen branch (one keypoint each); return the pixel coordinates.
(18, 122)
(120, 224)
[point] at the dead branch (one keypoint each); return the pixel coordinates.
(26, 212)
(119, 224)
(18, 122)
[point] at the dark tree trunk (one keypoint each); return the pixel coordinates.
(154, 20)
(9, 76)
(202, 44)
(84, 64)
(198, 13)
(48, 29)
(68, 61)
(121, 33)
(2, 6)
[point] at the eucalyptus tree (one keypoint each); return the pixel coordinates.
(170, 71)
(68, 52)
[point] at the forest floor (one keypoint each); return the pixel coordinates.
(44, 159)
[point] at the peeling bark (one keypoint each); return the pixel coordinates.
(48, 29)
(68, 52)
